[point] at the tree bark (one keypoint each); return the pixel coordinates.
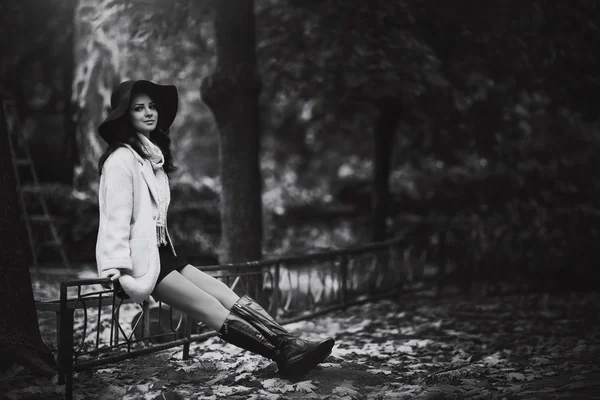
(232, 95)
(384, 136)
(20, 339)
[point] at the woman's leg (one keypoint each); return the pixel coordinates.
(211, 285)
(247, 325)
(178, 291)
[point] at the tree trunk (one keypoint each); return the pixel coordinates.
(384, 137)
(232, 95)
(20, 339)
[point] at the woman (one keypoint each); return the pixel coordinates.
(134, 245)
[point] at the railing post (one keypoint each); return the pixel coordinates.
(383, 265)
(116, 317)
(65, 344)
(442, 234)
(187, 326)
(396, 265)
(344, 278)
(276, 292)
(258, 281)
(146, 322)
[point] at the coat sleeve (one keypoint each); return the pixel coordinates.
(116, 208)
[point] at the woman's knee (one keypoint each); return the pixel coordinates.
(196, 302)
(199, 276)
(179, 292)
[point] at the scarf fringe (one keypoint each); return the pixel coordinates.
(161, 235)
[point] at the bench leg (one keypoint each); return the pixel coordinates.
(187, 326)
(65, 351)
(146, 321)
(61, 372)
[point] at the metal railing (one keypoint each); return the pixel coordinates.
(296, 288)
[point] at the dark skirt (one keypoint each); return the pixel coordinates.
(169, 262)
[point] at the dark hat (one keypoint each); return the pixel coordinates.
(164, 95)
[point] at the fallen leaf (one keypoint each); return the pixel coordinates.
(213, 355)
(305, 387)
(250, 366)
(269, 383)
(517, 376)
(268, 396)
(405, 349)
(346, 389)
(220, 376)
(243, 376)
(379, 371)
(188, 368)
(437, 324)
(159, 385)
(576, 385)
(359, 327)
(492, 360)
(106, 370)
(330, 365)
(539, 361)
(277, 385)
(580, 348)
(514, 388)
(226, 390)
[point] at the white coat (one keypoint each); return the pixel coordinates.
(127, 200)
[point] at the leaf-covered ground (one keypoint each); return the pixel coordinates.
(512, 347)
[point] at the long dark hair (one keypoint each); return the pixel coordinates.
(124, 133)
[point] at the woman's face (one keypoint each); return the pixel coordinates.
(143, 114)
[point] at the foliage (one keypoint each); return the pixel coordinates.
(419, 347)
(324, 73)
(495, 128)
(515, 129)
(498, 102)
(27, 30)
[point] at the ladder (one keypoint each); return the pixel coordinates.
(21, 159)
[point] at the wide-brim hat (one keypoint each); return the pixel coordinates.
(164, 95)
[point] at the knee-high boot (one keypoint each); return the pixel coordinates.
(240, 333)
(296, 356)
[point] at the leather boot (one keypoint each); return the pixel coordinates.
(242, 334)
(297, 356)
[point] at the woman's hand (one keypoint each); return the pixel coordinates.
(112, 273)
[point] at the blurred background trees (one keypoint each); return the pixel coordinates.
(374, 118)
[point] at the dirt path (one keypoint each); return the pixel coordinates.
(518, 347)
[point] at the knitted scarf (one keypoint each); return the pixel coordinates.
(156, 161)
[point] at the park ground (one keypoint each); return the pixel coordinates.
(414, 346)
